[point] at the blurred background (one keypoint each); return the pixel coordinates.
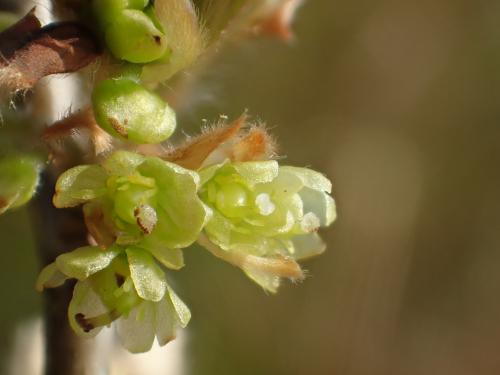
(398, 102)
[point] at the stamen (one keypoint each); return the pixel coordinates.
(120, 279)
(88, 324)
(310, 222)
(265, 205)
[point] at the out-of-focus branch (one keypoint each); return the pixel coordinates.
(58, 231)
(29, 52)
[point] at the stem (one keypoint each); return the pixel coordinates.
(31, 52)
(58, 231)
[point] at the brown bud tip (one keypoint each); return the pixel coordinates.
(278, 23)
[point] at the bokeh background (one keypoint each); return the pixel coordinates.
(398, 102)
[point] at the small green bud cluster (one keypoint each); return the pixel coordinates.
(141, 211)
(123, 107)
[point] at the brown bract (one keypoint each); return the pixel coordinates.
(237, 141)
(101, 230)
(31, 52)
(194, 152)
(79, 122)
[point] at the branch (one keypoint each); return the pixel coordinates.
(58, 231)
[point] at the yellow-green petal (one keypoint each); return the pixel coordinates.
(85, 261)
(310, 178)
(50, 277)
(80, 184)
(149, 279)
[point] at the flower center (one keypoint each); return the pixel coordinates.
(230, 199)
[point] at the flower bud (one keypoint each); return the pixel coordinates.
(133, 36)
(127, 110)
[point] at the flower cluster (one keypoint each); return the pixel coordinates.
(223, 190)
(122, 284)
(141, 211)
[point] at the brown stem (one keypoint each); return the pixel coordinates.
(58, 231)
(29, 52)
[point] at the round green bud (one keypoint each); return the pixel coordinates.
(133, 36)
(127, 110)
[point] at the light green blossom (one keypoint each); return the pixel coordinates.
(135, 200)
(264, 212)
(122, 284)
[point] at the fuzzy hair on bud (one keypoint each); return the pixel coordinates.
(185, 36)
(237, 141)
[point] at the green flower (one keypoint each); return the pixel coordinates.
(135, 200)
(118, 284)
(265, 217)
(19, 178)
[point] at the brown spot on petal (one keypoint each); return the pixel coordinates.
(146, 218)
(120, 279)
(118, 127)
